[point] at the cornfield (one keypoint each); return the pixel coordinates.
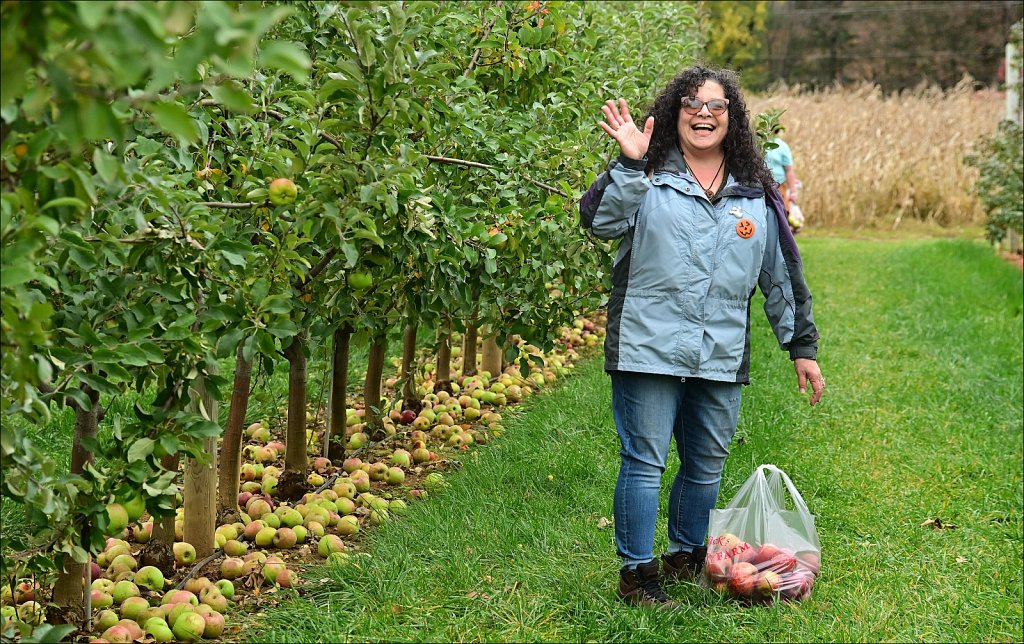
(871, 160)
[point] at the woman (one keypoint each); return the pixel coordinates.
(701, 224)
(780, 161)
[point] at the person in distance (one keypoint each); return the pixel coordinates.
(701, 225)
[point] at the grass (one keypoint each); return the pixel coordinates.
(921, 344)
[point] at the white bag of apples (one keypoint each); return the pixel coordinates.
(762, 548)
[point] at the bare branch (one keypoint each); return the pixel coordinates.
(484, 166)
(230, 204)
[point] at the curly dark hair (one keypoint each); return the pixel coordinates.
(743, 156)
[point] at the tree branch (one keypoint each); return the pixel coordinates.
(230, 204)
(484, 166)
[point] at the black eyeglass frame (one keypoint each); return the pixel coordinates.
(687, 103)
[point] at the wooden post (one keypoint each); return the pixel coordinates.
(200, 491)
(1013, 113)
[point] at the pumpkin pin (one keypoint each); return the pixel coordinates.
(745, 228)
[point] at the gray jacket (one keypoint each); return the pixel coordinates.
(686, 270)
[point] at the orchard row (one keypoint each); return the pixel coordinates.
(198, 194)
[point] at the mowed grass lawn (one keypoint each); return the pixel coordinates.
(921, 346)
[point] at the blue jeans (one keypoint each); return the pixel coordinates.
(649, 410)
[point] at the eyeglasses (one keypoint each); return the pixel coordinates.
(693, 105)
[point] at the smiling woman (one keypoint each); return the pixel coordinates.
(693, 204)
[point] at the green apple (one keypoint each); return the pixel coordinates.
(212, 597)
(226, 588)
(158, 629)
(189, 627)
(123, 590)
(360, 280)
(117, 518)
(234, 548)
(265, 537)
(347, 525)
(330, 543)
(272, 568)
(177, 610)
(184, 553)
(133, 607)
(282, 191)
(135, 507)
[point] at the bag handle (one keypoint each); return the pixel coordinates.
(798, 500)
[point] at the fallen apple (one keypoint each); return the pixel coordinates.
(189, 627)
(104, 619)
(133, 607)
(330, 543)
(184, 553)
(123, 590)
(284, 538)
(231, 568)
(150, 578)
(226, 588)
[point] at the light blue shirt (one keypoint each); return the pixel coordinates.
(777, 160)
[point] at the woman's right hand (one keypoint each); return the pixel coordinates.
(632, 141)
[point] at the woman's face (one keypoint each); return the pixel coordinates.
(703, 132)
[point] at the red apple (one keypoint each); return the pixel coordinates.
(810, 560)
(742, 578)
(782, 561)
(717, 566)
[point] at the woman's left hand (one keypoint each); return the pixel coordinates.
(808, 371)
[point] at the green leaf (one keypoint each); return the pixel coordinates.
(287, 57)
(66, 201)
(140, 449)
(174, 120)
(227, 343)
(14, 274)
(106, 166)
(46, 633)
(232, 96)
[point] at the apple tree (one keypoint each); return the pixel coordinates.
(107, 277)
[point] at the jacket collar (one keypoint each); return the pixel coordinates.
(675, 165)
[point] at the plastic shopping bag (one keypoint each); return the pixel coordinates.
(761, 549)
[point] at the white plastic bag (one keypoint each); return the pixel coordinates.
(761, 549)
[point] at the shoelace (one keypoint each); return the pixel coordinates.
(653, 589)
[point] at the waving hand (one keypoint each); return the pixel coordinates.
(632, 141)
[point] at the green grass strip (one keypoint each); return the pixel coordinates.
(923, 418)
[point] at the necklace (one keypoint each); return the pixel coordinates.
(708, 191)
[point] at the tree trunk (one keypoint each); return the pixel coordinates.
(410, 400)
(293, 481)
(371, 389)
(443, 376)
(158, 552)
(334, 435)
(469, 349)
(200, 489)
(491, 356)
(68, 589)
(230, 464)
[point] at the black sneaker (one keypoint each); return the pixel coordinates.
(683, 566)
(642, 585)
